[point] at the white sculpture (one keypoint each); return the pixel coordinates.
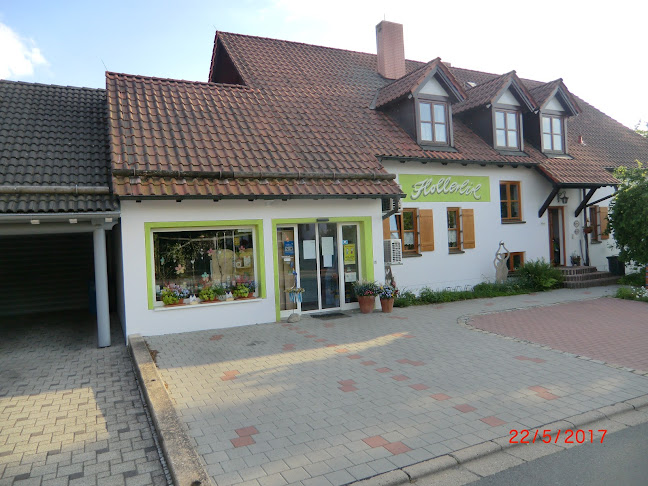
(501, 263)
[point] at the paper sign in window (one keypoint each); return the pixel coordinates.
(327, 246)
(308, 247)
(349, 254)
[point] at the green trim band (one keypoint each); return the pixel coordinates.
(257, 224)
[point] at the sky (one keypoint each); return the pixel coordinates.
(598, 48)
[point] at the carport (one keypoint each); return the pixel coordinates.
(56, 202)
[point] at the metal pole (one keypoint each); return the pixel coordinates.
(101, 287)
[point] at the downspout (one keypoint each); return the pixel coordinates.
(587, 255)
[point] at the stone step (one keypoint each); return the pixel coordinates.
(576, 270)
(583, 284)
(588, 276)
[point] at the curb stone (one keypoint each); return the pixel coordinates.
(181, 457)
(635, 407)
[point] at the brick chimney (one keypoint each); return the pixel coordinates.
(391, 49)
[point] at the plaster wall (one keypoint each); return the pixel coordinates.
(140, 319)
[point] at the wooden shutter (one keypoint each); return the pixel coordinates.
(386, 229)
(426, 229)
(603, 218)
(468, 226)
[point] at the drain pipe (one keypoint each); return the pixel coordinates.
(587, 255)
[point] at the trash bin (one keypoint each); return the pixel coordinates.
(616, 267)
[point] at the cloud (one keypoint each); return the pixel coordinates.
(18, 56)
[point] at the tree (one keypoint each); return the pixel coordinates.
(641, 131)
(628, 215)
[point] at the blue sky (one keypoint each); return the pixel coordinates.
(600, 54)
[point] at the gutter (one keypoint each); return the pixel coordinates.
(228, 174)
(457, 161)
(76, 189)
(57, 217)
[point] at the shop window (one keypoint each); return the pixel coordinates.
(414, 227)
(461, 229)
(516, 260)
(598, 223)
(510, 201)
(189, 261)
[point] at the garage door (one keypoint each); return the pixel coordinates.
(45, 272)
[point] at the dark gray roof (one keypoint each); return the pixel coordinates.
(53, 136)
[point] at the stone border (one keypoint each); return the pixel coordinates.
(181, 457)
(502, 454)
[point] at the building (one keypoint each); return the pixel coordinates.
(292, 163)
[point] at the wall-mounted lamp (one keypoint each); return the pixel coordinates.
(562, 197)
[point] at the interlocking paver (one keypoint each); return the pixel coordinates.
(70, 412)
(320, 433)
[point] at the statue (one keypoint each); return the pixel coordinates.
(501, 263)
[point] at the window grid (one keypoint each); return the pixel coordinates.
(507, 129)
(454, 229)
(510, 201)
(552, 133)
(433, 122)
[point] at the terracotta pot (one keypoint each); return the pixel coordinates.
(588, 229)
(387, 305)
(367, 303)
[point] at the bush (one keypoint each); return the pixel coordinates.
(482, 290)
(632, 293)
(635, 279)
(539, 275)
(405, 299)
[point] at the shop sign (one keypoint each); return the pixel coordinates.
(445, 188)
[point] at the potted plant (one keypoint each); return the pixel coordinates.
(366, 293)
(575, 259)
(173, 294)
(295, 294)
(207, 295)
(241, 292)
(387, 294)
(219, 291)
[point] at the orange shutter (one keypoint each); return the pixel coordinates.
(604, 222)
(468, 226)
(386, 230)
(426, 229)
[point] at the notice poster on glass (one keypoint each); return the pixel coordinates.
(308, 248)
(327, 246)
(327, 261)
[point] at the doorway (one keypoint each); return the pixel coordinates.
(323, 259)
(557, 236)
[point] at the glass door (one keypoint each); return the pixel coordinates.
(328, 266)
(288, 268)
(349, 261)
(309, 266)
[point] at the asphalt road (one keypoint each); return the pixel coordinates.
(621, 459)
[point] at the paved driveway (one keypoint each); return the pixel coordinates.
(610, 330)
(70, 413)
(330, 402)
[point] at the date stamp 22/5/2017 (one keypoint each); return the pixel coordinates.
(565, 436)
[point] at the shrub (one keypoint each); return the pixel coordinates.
(405, 299)
(632, 293)
(636, 279)
(539, 275)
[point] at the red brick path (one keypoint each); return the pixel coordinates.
(610, 330)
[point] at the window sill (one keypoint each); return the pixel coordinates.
(557, 155)
(513, 222)
(515, 153)
(437, 148)
(456, 252)
(411, 255)
(160, 308)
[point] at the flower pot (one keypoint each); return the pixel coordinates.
(387, 305)
(367, 303)
(588, 229)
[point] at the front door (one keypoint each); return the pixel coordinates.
(321, 258)
(556, 236)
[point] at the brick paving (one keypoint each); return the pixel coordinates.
(610, 330)
(425, 386)
(71, 414)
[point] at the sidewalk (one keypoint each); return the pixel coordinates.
(331, 402)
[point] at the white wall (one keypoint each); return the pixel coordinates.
(139, 319)
(119, 277)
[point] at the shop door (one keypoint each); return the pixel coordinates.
(321, 258)
(556, 236)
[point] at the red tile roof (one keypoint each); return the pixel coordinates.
(489, 91)
(305, 111)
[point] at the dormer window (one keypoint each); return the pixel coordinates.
(552, 133)
(507, 130)
(433, 122)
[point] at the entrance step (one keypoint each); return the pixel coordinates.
(584, 277)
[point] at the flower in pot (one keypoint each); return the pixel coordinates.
(207, 294)
(173, 294)
(241, 291)
(219, 291)
(366, 293)
(295, 294)
(575, 259)
(387, 293)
